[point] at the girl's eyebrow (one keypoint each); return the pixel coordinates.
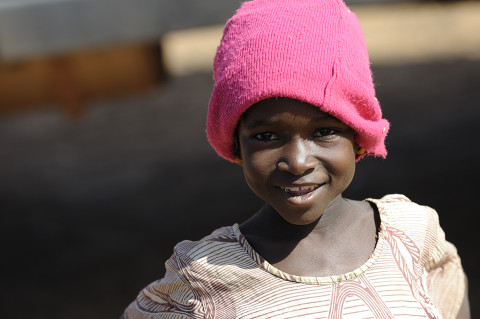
(262, 122)
(255, 123)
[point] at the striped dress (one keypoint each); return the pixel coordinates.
(413, 273)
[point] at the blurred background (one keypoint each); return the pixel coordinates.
(104, 163)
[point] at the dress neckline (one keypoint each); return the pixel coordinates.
(337, 278)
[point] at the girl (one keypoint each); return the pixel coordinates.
(294, 105)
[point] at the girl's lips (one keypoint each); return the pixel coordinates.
(305, 195)
(300, 190)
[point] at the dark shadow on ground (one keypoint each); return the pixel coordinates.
(91, 209)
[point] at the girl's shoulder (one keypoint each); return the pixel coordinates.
(402, 218)
(192, 264)
(212, 245)
(414, 226)
(399, 210)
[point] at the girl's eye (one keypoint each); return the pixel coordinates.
(266, 136)
(323, 132)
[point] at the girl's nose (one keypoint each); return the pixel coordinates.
(297, 157)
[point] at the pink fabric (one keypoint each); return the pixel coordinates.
(310, 50)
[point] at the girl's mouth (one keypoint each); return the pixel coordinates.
(300, 190)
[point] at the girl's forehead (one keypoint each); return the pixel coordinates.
(274, 109)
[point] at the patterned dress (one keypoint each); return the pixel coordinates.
(413, 273)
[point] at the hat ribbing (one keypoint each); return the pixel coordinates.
(310, 50)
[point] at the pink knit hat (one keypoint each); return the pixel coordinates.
(309, 50)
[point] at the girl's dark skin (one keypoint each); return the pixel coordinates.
(286, 145)
(322, 248)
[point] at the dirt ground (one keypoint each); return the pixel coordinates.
(91, 209)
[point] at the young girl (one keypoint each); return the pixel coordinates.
(294, 105)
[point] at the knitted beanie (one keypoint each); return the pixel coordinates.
(309, 50)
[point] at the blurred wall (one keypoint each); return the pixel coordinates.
(41, 27)
(69, 52)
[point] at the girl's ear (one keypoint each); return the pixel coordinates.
(360, 150)
(239, 161)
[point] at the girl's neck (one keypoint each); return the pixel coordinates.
(342, 239)
(270, 224)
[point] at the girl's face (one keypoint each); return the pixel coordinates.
(297, 158)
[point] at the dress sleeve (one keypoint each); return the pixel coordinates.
(445, 279)
(171, 297)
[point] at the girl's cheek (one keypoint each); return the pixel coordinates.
(258, 163)
(342, 161)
